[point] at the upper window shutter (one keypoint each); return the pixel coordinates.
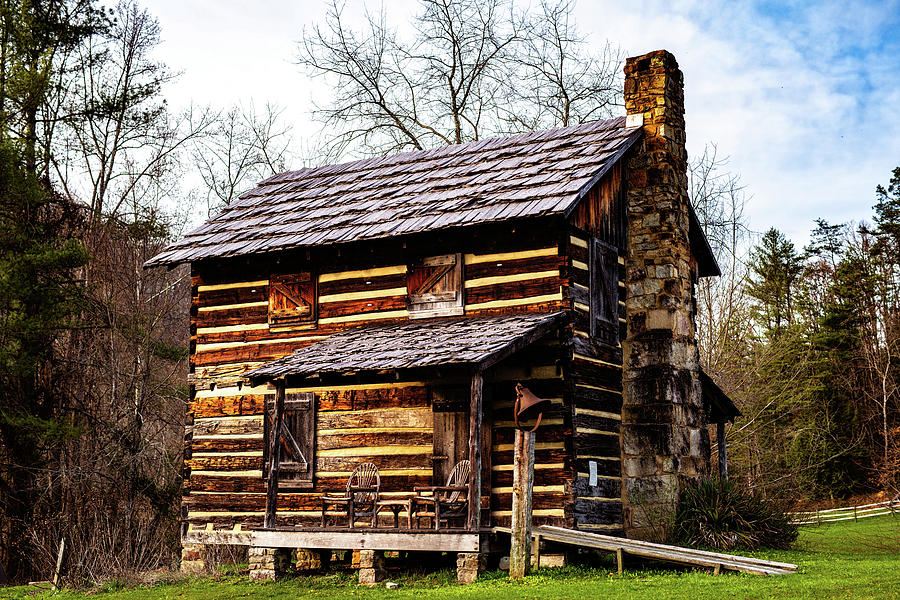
(297, 461)
(604, 292)
(292, 299)
(435, 286)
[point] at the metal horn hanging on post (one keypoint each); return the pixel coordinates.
(529, 406)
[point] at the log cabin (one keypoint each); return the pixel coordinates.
(385, 309)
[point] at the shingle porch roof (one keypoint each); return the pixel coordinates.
(477, 342)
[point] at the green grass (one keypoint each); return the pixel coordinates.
(846, 560)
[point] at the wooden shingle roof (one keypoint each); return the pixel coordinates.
(478, 342)
(527, 175)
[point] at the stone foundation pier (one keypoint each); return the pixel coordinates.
(269, 564)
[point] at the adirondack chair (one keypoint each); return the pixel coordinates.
(359, 497)
(445, 502)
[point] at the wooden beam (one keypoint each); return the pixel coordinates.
(497, 279)
(230, 286)
(723, 458)
(662, 552)
(515, 301)
(231, 538)
(368, 540)
(473, 259)
(475, 409)
(376, 272)
(274, 456)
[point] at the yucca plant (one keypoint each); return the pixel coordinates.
(720, 514)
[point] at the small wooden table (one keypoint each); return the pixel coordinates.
(396, 505)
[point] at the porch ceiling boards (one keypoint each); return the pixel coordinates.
(478, 342)
(522, 176)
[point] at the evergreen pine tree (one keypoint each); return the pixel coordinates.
(774, 267)
(39, 298)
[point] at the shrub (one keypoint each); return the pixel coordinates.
(722, 515)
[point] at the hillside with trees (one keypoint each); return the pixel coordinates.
(812, 357)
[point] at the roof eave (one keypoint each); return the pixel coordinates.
(633, 137)
(715, 398)
(160, 259)
(707, 266)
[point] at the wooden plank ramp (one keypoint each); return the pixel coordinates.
(663, 552)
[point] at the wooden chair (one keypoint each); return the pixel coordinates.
(442, 503)
(359, 497)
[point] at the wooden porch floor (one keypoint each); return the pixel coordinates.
(445, 540)
(343, 538)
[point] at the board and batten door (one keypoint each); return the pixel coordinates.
(451, 430)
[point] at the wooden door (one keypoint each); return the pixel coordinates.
(298, 442)
(451, 431)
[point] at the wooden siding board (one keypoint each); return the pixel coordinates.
(514, 289)
(593, 368)
(513, 266)
(596, 445)
(605, 468)
(605, 488)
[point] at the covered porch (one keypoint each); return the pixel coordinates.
(454, 357)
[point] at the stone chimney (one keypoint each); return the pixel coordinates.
(665, 443)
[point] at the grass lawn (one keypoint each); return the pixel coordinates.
(845, 560)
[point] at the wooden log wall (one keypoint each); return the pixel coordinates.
(539, 369)
(593, 375)
(387, 423)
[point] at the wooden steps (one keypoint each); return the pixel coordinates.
(664, 552)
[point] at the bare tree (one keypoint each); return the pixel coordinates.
(112, 142)
(561, 83)
(718, 198)
(244, 147)
(474, 69)
(115, 131)
(878, 286)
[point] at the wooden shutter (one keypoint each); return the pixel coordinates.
(292, 299)
(435, 286)
(298, 440)
(604, 292)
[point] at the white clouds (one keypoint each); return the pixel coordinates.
(803, 98)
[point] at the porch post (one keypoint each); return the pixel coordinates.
(474, 519)
(523, 487)
(274, 455)
(723, 457)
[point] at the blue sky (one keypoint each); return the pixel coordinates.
(803, 97)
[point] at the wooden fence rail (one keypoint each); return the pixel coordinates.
(834, 515)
